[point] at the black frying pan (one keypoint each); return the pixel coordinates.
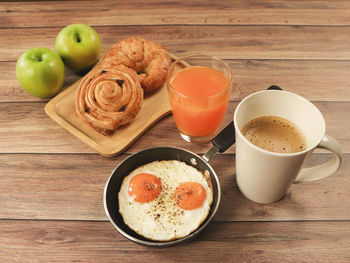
(221, 143)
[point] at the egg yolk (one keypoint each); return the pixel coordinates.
(190, 195)
(144, 187)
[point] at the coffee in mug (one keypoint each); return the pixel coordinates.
(265, 176)
(275, 134)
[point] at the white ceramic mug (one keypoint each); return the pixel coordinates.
(264, 176)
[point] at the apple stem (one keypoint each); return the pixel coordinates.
(77, 37)
(38, 57)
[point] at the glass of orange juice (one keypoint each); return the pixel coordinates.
(199, 89)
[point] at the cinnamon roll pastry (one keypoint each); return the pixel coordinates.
(150, 60)
(108, 97)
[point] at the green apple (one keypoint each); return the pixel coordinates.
(40, 72)
(79, 46)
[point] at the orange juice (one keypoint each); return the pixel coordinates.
(199, 97)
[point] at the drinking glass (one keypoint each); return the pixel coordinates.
(199, 89)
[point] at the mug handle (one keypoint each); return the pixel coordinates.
(327, 168)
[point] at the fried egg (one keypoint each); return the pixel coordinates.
(165, 200)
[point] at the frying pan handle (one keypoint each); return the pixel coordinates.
(227, 137)
(222, 141)
(274, 87)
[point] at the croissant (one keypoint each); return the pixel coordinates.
(108, 97)
(150, 60)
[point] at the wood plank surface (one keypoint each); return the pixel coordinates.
(51, 184)
(271, 12)
(62, 241)
(41, 186)
(323, 80)
(229, 42)
(29, 129)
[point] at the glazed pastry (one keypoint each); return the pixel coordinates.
(150, 60)
(108, 97)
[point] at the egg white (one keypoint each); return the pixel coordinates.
(161, 219)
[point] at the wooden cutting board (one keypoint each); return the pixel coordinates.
(62, 110)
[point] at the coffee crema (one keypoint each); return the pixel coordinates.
(275, 134)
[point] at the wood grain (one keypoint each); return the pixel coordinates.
(323, 80)
(51, 184)
(67, 241)
(27, 14)
(29, 129)
(229, 42)
(42, 186)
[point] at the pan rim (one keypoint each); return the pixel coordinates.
(211, 215)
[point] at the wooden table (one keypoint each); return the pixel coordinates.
(51, 184)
